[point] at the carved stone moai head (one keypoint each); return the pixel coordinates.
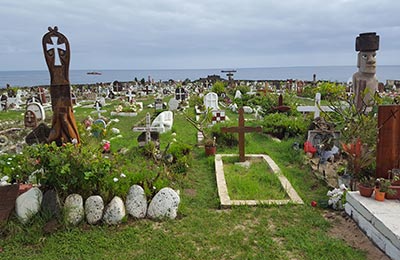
(367, 44)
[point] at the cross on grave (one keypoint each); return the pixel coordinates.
(281, 107)
(148, 128)
(55, 46)
(241, 130)
(130, 96)
(217, 116)
(180, 94)
(147, 90)
(98, 109)
(317, 108)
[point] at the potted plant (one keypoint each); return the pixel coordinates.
(382, 187)
(394, 176)
(366, 186)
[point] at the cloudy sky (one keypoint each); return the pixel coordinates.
(178, 34)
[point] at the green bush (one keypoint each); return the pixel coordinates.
(219, 87)
(282, 126)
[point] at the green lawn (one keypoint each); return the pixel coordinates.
(202, 230)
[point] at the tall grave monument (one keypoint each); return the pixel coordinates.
(57, 55)
(365, 83)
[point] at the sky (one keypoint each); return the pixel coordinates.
(197, 34)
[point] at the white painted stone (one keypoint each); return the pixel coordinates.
(164, 204)
(238, 94)
(114, 212)
(164, 121)
(136, 202)
(94, 207)
(173, 104)
(247, 109)
(28, 204)
(211, 101)
(74, 209)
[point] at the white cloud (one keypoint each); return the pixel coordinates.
(197, 34)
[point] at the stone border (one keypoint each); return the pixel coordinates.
(131, 114)
(225, 200)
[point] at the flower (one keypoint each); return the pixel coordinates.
(115, 179)
(122, 175)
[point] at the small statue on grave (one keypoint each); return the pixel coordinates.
(365, 83)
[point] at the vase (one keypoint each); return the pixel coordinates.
(365, 191)
(379, 195)
(210, 150)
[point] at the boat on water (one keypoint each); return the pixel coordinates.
(93, 73)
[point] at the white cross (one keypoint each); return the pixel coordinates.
(148, 128)
(55, 46)
(130, 96)
(317, 108)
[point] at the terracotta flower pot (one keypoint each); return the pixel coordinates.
(379, 196)
(365, 191)
(210, 150)
(395, 195)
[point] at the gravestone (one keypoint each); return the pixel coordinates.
(217, 116)
(163, 121)
(180, 94)
(241, 129)
(148, 129)
(57, 55)
(3, 102)
(281, 107)
(38, 135)
(30, 120)
(158, 104)
(173, 104)
(317, 108)
(42, 95)
(37, 109)
(388, 147)
(211, 101)
(101, 125)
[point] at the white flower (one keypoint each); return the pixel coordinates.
(74, 141)
(5, 178)
(115, 179)
(122, 175)
(173, 140)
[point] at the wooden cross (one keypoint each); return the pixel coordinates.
(180, 94)
(148, 128)
(241, 130)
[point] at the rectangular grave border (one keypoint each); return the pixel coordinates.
(225, 200)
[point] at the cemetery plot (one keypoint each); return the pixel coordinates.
(257, 181)
(225, 199)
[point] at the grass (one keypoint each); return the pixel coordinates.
(258, 182)
(202, 230)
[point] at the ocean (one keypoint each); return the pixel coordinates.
(330, 73)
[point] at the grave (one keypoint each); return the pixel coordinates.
(211, 101)
(38, 135)
(148, 130)
(223, 190)
(173, 104)
(241, 129)
(218, 116)
(37, 109)
(163, 121)
(317, 108)
(30, 120)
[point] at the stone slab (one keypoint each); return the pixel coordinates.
(379, 220)
(223, 189)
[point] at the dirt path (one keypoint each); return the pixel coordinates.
(343, 227)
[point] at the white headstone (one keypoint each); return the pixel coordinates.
(164, 121)
(173, 104)
(37, 109)
(211, 101)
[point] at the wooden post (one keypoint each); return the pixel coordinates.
(388, 147)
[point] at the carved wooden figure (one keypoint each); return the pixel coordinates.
(57, 55)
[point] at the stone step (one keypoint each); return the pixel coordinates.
(379, 220)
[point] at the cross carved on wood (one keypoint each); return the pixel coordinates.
(57, 55)
(241, 130)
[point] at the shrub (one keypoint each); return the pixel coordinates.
(280, 125)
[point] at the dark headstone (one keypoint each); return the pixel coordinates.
(51, 205)
(8, 195)
(39, 135)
